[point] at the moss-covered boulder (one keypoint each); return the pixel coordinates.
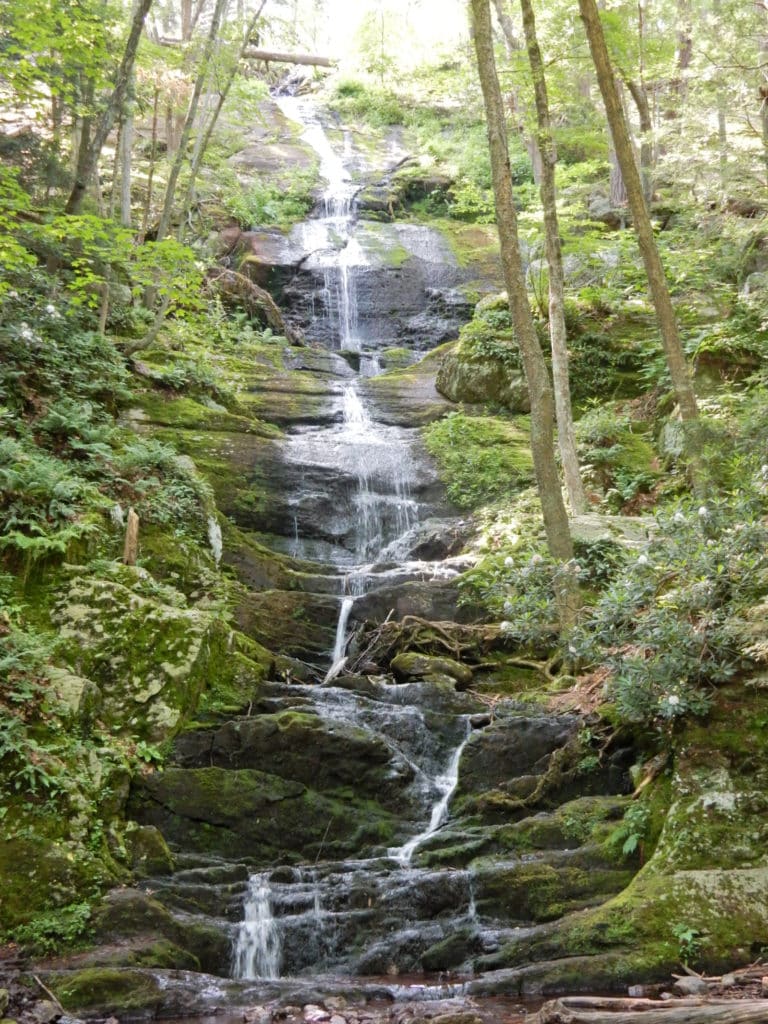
(303, 747)
(412, 665)
(257, 816)
(148, 852)
(150, 659)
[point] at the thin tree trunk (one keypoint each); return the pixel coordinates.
(110, 112)
(151, 173)
(763, 89)
(557, 330)
(125, 170)
(640, 96)
(537, 377)
(204, 138)
(513, 45)
(173, 177)
(115, 171)
(657, 282)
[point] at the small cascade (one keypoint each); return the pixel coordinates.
(445, 784)
(257, 949)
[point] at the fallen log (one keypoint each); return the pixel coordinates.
(288, 58)
(597, 1010)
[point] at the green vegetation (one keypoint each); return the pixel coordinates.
(481, 458)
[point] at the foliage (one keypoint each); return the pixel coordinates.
(628, 836)
(375, 105)
(264, 202)
(54, 930)
(667, 629)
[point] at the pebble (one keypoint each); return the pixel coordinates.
(728, 980)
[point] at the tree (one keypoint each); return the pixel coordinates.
(557, 330)
(657, 282)
(89, 157)
(535, 368)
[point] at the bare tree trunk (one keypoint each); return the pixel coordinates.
(763, 89)
(657, 282)
(539, 387)
(125, 170)
(513, 44)
(205, 136)
(151, 173)
(87, 166)
(202, 74)
(557, 330)
(131, 545)
(640, 96)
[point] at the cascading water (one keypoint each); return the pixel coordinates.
(304, 921)
(257, 944)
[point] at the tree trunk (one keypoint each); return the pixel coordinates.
(537, 377)
(597, 1010)
(151, 172)
(763, 89)
(557, 330)
(125, 170)
(202, 74)
(517, 106)
(205, 135)
(273, 56)
(640, 96)
(87, 166)
(657, 282)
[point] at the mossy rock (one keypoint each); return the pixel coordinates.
(148, 851)
(40, 875)
(412, 665)
(108, 990)
(452, 951)
(151, 660)
(481, 380)
(256, 816)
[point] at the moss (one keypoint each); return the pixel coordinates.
(108, 990)
(255, 815)
(480, 458)
(40, 875)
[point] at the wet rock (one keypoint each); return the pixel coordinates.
(299, 746)
(512, 748)
(253, 814)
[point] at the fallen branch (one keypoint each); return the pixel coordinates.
(273, 57)
(255, 299)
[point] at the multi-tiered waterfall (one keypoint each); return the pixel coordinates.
(369, 824)
(310, 918)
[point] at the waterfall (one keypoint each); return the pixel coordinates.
(445, 783)
(316, 908)
(257, 948)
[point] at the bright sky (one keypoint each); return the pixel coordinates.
(413, 29)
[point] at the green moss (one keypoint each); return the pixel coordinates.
(480, 458)
(107, 990)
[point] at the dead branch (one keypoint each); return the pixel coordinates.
(273, 57)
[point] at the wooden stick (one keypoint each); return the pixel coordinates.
(131, 547)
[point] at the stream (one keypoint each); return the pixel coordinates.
(365, 838)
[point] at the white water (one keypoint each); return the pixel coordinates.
(445, 784)
(257, 948)
(378, 459)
